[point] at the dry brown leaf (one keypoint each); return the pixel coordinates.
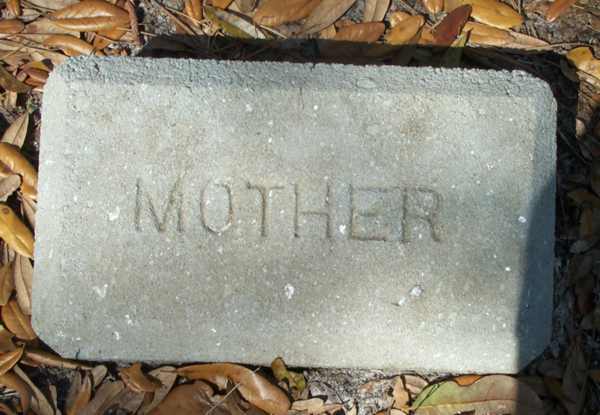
(245, 6)
(491, 12)
(481, 34)
(375, 10)
(276, 12)
(315, 406)
(167, 377)
(557, 8)
(36, 357)
(583, 59)
(6, 340)
(574, 381)
(14, 382)
(45, 27)
(433, 6)
(326, 13)
(23, 278)
(187, 399)
(9, 359)
(253, 387)
(16, 133)
(136, 380)
(70, 45)
(9, 185)
(233, 24)
(52, 4)
(98, 374)
(7, 410)
(494, 394)
(39, 402)
(10, 83)
(7, 284)
(221, 4)
(446, 32)
(400, 394)
(360, 32)
(91, 16)
(79, 394)
(11, 26)
(193, 9)
(14, 7)
(11, 156)
(106, 37)
(14, 232)
(466, 380)
(295, 380)
(29, 208)
(405, 31)
(16, 321)
(105, 394)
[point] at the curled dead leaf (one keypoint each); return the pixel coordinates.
(136, 380)
(14, 232)
(491, 12)
(167, 377)
(296, 380)
(253, 387)
(14, 382)
(324, 14)
(11, 26)
(9, 359)
(91, 16)
(70, 45)
(36, 357)
(583, 59)
(360, 32)
(375, 10)
(15, 134)
(16, 321)
(275, 12)
(14, 160)
(406, 31)
(9, 185)
(557, 8)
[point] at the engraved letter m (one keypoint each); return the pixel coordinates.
(174, 202)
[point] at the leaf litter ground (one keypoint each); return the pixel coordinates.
(558, 41)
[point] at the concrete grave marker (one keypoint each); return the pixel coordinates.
(343, 216)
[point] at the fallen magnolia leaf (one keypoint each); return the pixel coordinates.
(375, 10)
(9, 359)
(233, 24)
(14, 232)
(79, 394)
(23, 278)
(326, 13)
(167, 377)
(253, 387)
(7, 284)
(276, 12)
(491, 12)
(493, 395)
(360, 32)
(16, 321)
(11, 156)
(136, 380)
(14, 382)
(91, 16)
(15, 134)
(296, 380)
(406, 31)
(446, 32)
(36, 357)
(583, 59)
(482, 34)
(557, 8)
(11, 26)
(10, 83)
(70, 45)
(433, 6)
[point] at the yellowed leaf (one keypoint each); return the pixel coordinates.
(14, 232)
(16, 321)
(29, 208)
(360, 32)
(375, 10)
(482, 34)
(6, 340)
(276, 12)
(91, 16)
(9, 185)
(23, 278)
(70, 45)
(7, 284)
(193, 9)
(11, 26)
(11, 156)
(106, 37)
(583, 59)
(9, 359)
(136, 380)
(406, 31)
(253, 387)
(557, 8)
(324, 14)
(16, 133)
(491, 12)
(14, 382)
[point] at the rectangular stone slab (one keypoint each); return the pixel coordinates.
(337, 216)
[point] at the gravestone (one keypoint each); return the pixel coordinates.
(337, 216)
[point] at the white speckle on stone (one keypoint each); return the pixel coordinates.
(114, 215)
(401, 301)
(316, 107)
(220, 250)
(117, 335)
(213, 330)
(270, 123)
(416, 291)
(289, 291)
(522, 219)
(249, 108)
(507, 269)
(101, 291)
(129, 320)
(218, 344)
(342, 229)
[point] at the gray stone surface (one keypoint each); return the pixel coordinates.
(338, 216)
